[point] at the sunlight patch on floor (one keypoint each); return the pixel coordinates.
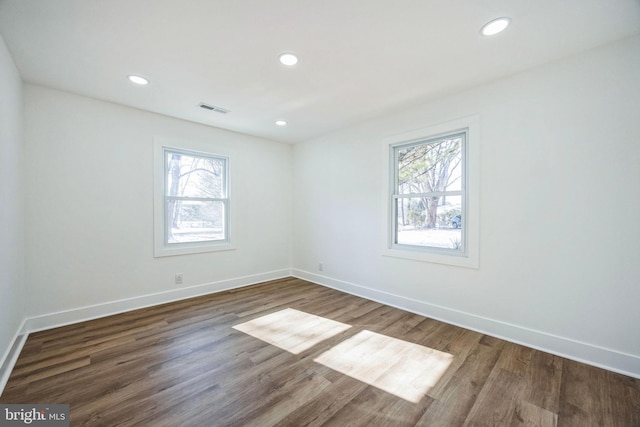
(404, 369)
(292, 330)
(399, 367)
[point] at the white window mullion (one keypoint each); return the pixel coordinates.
(432, 201)
(191, 201)
(433, 194)
(424, 223)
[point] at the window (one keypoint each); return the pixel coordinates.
(431, 204)
(192, 202)
(429, 194)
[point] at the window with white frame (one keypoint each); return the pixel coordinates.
(192, 211)
(431, 197)
(429, 194)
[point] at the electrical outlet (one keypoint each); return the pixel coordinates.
(320, 267)
(178, 278)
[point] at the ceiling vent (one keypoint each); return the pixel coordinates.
(213, 108)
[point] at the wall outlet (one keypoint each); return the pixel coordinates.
(178, 278)
(320, 267)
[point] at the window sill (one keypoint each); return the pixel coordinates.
(452, 260)
(187, 249)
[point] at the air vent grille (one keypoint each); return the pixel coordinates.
(213, 108)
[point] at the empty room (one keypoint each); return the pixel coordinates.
(306, 213)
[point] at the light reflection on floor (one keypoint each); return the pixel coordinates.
(404, 369)
(292, 330)
(399, 367)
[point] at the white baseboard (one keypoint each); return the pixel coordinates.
(612, 360)
(81, 314)
(10, 356)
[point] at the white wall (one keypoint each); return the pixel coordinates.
(11, 203)
(89, 205)
(560, 202)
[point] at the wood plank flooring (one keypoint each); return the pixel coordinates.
(292, 353)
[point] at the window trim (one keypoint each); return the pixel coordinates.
(470, 256)
(161, 247)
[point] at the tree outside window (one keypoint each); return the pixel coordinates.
(429, 197)
(196, 200)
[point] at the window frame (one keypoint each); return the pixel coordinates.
(162, 247)
(469, 256)
(396, 195)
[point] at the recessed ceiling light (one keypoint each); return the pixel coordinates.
(496, 26)
(281, 123)
(138, 80)
(288, 59)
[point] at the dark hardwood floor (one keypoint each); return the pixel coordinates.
(292, 353)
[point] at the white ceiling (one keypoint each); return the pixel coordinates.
(359, 59)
